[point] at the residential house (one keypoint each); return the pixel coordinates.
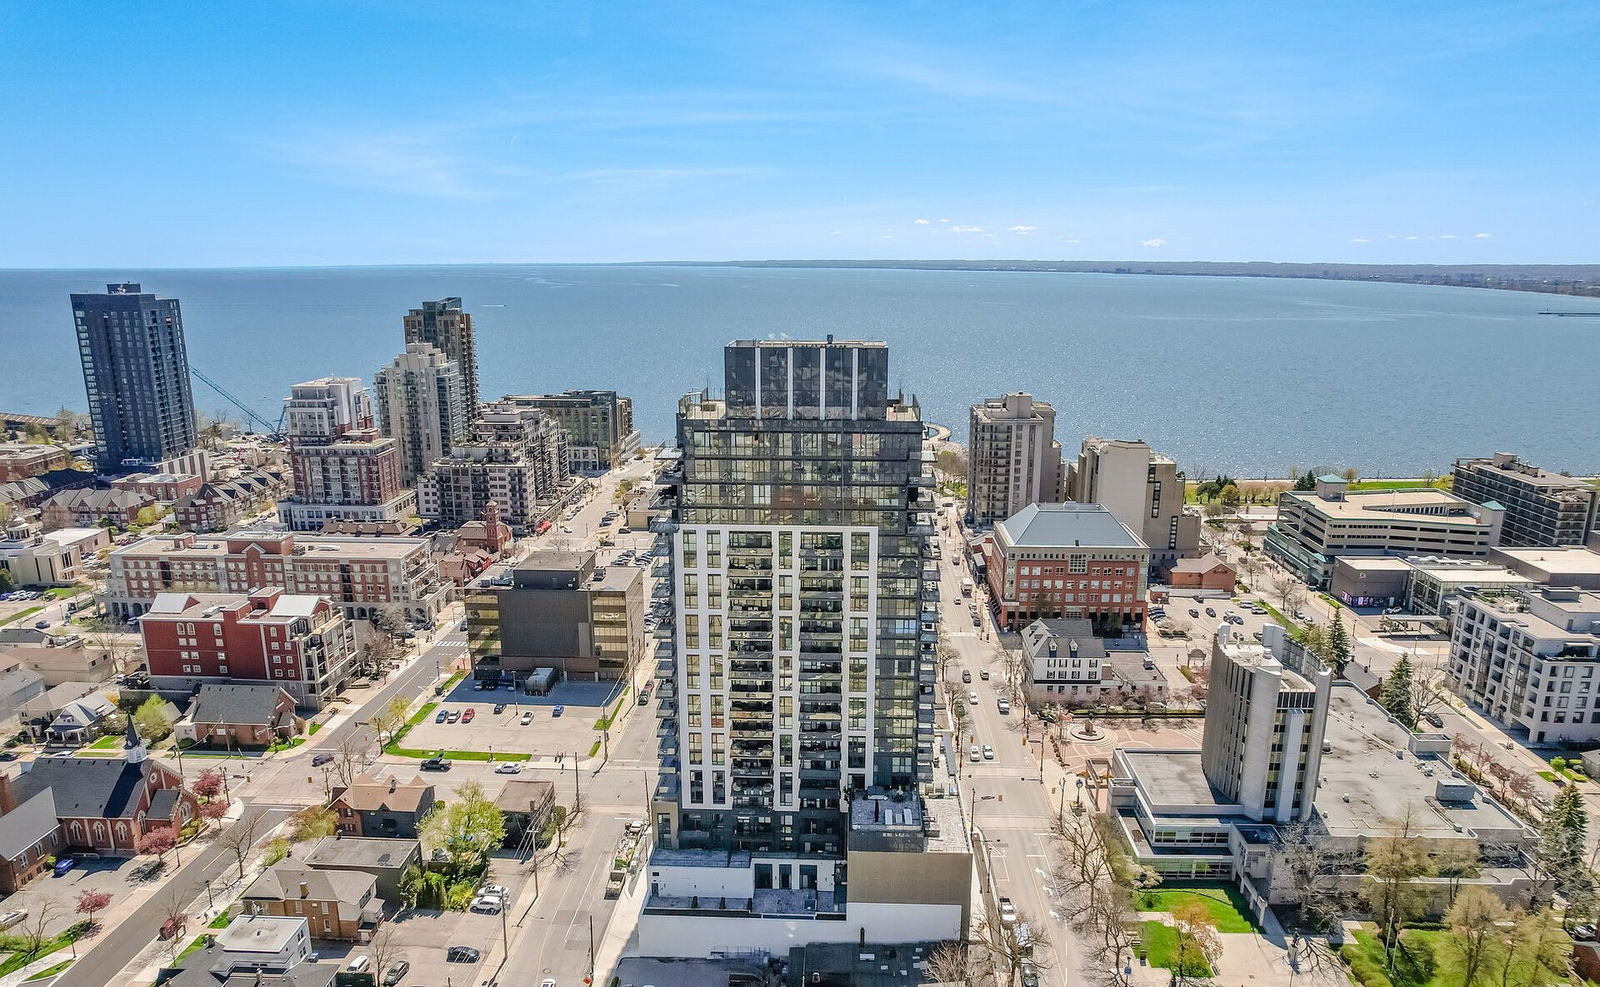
(386, 860)
(225, 715)
(384, 808)
(1208, 574)
(70, 713)
(523, 804)
(18, 685)
(94, 508)
(59, 658)
(255, 951)
(341, 905)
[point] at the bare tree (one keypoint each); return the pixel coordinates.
(240, 838)
(1197, 941)
(174, 918)
(390, 719)
(106, 635)
(1314, 874)
(353, 754)
(36, 933)
(1014, 667)
(1009, 948)
(386, 948)
(956, 962)
(1429, 690)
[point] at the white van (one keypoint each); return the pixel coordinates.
(359, 963)
(1005, 706)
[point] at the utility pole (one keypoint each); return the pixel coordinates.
(591, 948)
(577, 794)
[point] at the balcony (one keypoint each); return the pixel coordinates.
(665, 710)
(667, 789)
(663, 525)
(668, 726)
(923, 480)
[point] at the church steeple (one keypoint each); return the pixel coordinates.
(133, 749)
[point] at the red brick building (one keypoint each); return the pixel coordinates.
(165, 487)
(1066, 560)
(1206, 573)
(300, 643)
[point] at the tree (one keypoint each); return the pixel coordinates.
(1472, 926)
(36, 932)
(1397, 695)
(467, 828)
(1230, 495)
(152, 720)
(1560, 852)
(214, 811)
(91, 901)
(311, 823)
(1351, 474)
(1537, 948)
(1197, 940)
(1396, 863)
(1340, 652)
(1001, 943)
(1306, 481)
(106, 635)
(386, 947)
(240, 838)
(1429, 692)
(952, 462)
(390, 719)
(1314, 873)
(956, 962)
(158, 841)
(350, 756)
(1458, 860)
(174, 917)
(208, 784)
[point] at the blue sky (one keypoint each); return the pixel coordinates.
(329, 132)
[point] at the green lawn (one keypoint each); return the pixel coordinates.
(457, 755)
(606, 719)
(1226, 906)
(62, 592)
(104, 743)
(18, 947)
(49, 971)
(1295, 630)
(1160, 943)
(314, 728)
(20, 615)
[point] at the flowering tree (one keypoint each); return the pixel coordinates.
(213, 812)
(208, 785)
(158, 841)
(91, 901)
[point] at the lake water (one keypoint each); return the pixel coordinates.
(1245, 375)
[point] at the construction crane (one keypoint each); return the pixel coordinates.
(272, 431)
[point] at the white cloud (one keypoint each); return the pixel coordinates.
(1021, 230)
(966, 229)
(836, 233)
(944, 221)
(1480, 236)
(921, 222)
(1447, 236)
(1153, 242)
(1066, 240)
(1413, 237)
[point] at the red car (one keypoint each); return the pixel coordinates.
(468, 715)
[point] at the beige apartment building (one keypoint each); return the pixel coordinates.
(1141, 488)
(1013, 457)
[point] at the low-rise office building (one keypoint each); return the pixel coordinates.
(1316, 527)
(1067, 560)
(1542, 509)
(302, 644)
(51, 558)
(557, 610)
(1528, 659)
(1419, 585)
(1564, 566)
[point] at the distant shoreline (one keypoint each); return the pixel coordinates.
(1577, 280)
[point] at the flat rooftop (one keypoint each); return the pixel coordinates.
(1395, 505)
(259, 933)
(347, 851)
(1552, 560)
(1370, 778)
(1171, 778)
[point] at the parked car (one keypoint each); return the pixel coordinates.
(436, 764)
(974, 754)
(1211, 611)
(468, 715)
(1434, 719)
(527, 718)
(966, 675)
(65, 864)
(988, 753)
(1008, 912)
(488, 904)
(455, 715)
(442, 716)
(499, 708)
(1030, 975)
(508, 768)
(396, 973)
(462, 954)
(42, 624)
(972, 697)
(1193, 612)
(557, 710)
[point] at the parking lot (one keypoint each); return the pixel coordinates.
(59, 895)
(544, 733)
(427, 935)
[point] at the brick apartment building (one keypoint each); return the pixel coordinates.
(1067, 560)
(344, 468)
(362, 575)
(300, 643)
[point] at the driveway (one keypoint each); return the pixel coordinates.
(114, 876)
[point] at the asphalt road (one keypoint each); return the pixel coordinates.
(117, 946)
